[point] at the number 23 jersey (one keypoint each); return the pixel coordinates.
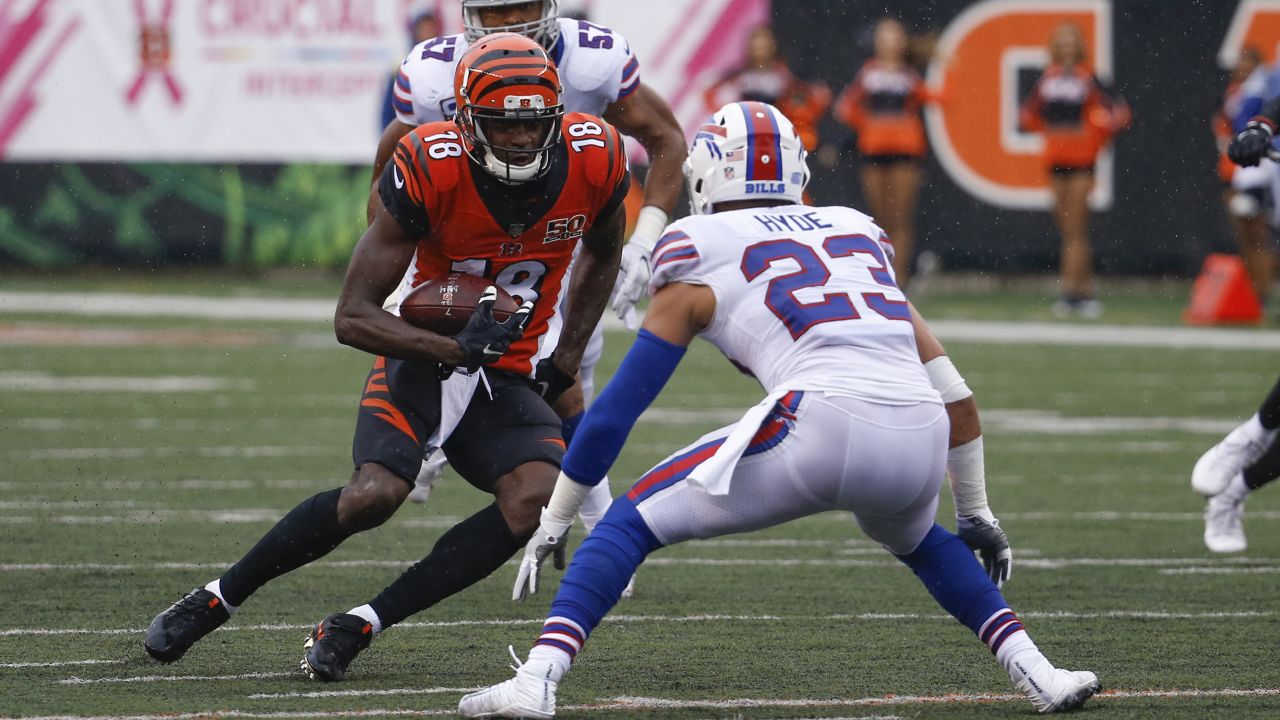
(805, 299)
(520, 236)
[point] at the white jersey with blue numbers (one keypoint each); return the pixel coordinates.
(805, 299)
(597, 68)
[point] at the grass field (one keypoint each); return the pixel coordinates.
(143, 455)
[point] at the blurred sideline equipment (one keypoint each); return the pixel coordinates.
(1222, 293)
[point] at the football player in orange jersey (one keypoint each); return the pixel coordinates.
(506, 191)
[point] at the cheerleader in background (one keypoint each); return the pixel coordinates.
(882, 105)
(1077, 117)
(765, 77)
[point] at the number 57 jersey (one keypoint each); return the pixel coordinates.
(805, 299)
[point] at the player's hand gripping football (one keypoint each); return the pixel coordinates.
(1250, 146)
(484, 340)
(981, 532)
(548, 539)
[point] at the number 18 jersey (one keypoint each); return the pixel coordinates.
(805, 299)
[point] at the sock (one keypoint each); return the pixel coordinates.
(468, 553)
(1008, 640)
(954, 578)
(569, 426)
(366, 612)
(1269, 413)
(1266, 469)
(215, 587)
(310, 531)
(557, 646)
(601, 569)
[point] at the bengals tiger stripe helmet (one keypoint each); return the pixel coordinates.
(508, 78)
(544, 31)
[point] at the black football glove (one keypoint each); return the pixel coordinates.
(985, 537)
(484, 340)
(551, 380)
(1250, 146)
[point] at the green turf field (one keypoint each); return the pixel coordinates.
(138, 464)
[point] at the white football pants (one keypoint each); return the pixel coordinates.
(883, 463)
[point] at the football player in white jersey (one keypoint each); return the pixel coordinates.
(601, 77)
(804, 299)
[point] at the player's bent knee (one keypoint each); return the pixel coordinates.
(371, 497)
(522, 493)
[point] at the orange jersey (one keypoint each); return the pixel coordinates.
(1075, 114)
(521, 236)
(882, 105)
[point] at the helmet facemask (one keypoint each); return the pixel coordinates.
(479, 126)
(545, 30)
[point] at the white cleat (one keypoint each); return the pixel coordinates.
(1056, 690)
(1222, 462)
(524, 696)
(1224, 525)
(428, 475)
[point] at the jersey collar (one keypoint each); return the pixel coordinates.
(557, 51)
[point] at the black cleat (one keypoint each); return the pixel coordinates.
(333, 644)
(175, 630)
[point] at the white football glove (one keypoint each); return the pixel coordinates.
(548, 539)
(633, 270)
(981, 532)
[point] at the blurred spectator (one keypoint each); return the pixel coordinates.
(1251, 195)
(766, 78)
(422, 27)
(1077, 116)
(882, 105)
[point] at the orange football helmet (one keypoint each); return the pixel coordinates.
(507, 81)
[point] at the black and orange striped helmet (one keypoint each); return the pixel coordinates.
(508, 79)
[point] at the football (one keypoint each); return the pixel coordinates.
(444, 304)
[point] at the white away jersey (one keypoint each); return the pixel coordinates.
(805, 299)
(596, 68)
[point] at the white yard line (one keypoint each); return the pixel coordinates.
(63, 663)
(626, 703)
(634, 619)
(322, 310)
(47, 382)
(362, 693)
(174, 678)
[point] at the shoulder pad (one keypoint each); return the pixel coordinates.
(593, 55)
(428, 71)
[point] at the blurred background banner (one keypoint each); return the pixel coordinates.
(240, 131)
(194, 80)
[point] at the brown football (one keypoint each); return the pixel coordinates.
(444, 304)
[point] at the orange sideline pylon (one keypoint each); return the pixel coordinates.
(1222, 293)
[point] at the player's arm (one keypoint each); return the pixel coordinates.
(377, 266)
(386, 148)
(645, 116)
(966, 471)
(594, 272)
(679, 311)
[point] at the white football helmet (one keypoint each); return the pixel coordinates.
(545, 30)
(746, 151)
